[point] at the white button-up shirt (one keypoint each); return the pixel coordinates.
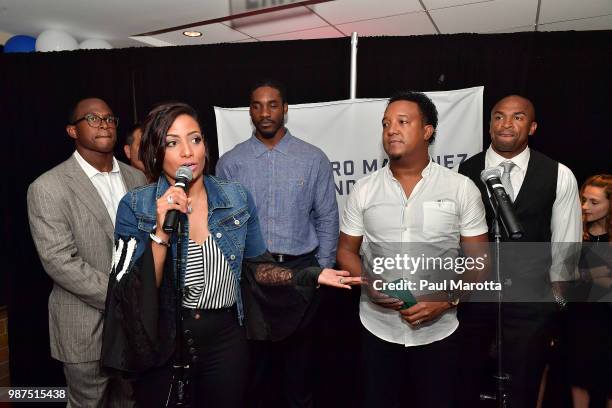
(110, 185)
(443, 206)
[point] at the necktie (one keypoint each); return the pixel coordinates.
(505, 179)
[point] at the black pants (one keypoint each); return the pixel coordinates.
(218, 374)
(475, 338)
(416, 377)
(528, 329)
(284, 368)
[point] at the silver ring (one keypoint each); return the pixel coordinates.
(170, 199)
(341, 281)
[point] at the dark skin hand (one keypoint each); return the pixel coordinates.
(348, 259)
(429, 307)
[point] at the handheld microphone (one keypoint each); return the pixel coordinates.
(492, 179)
(183, 178)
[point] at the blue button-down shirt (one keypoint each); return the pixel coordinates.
(293, 187)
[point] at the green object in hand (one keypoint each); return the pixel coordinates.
(405, 295)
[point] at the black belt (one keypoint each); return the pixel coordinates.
(281, 258)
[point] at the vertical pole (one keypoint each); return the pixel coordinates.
(353, 65)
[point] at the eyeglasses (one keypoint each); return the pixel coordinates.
(95, 121)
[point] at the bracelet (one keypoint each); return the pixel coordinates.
(560, 300)
(158, 240)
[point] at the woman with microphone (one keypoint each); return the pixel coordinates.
(218, 234)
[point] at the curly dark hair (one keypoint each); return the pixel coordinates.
(428, 110)
(154, 130)
(272, 83)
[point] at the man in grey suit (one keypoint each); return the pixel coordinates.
(72, 210)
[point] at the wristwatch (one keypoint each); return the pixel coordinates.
(453, 298)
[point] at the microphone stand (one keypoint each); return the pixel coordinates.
(501, 394)
(178, 395)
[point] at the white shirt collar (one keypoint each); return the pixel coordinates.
(90, 170)
(426, 171)
(493, 159)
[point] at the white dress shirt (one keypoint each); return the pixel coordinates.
(566, 219)
(443, 206)
(110, 185)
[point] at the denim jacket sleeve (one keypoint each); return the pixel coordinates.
(255, 244)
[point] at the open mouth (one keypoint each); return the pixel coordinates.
(191, 166)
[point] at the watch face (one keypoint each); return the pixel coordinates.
(453, 298)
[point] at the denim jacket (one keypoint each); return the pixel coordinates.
(232, 221)
(140, 319)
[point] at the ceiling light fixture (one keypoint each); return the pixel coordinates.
(192, 33)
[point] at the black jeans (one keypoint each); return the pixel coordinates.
(416, 376)
(219, 372)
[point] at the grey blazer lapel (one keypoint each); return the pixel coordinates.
(85, 191)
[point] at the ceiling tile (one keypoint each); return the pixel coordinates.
(152, 41)
(436, 4)
(323, 32)
(211, 34)
(584, 24)
(344, 11)
(277, 22)
(405, 24)
(562, 10)
(129, 42)
(247, 40)
(109, 19)
(512, 29)
(484, 17)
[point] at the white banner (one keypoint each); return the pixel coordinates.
(350, 132)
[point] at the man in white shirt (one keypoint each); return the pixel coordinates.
(71, 209)
(408, 355)
(545, 198)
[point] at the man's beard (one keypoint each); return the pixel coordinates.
(269, 134)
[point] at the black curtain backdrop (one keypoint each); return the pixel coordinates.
(565, 74)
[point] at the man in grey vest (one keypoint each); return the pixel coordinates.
(72, 210)
(545, 197)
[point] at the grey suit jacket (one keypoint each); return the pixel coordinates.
(73, 234)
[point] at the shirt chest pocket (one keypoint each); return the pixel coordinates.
(235, 227)
(439, 217)
(296, 188)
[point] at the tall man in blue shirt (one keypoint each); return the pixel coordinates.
(293, 187)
